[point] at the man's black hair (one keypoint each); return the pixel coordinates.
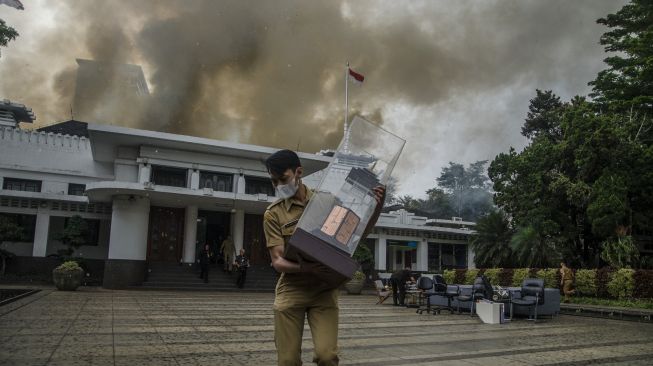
(281, 161)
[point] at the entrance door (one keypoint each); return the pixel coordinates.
(166, 234)
(254, 240)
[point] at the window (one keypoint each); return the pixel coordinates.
(217, 181)
(166, 176)
(454, 256)
(27, 185)
(92, 233)
(434, 257)
(76, 189)
(256, 185)
(26, 223)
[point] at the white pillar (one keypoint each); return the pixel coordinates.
(41, 230)
(190, 234)
(380, 248)
(238, 231)
(471, 257)
(422, 255)
(194, 179)
(129, 223)
(144, 170)
(240, 183)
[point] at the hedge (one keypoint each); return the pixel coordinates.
(602, 283)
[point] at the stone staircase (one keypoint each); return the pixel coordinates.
(171, 276)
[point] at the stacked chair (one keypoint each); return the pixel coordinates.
(481, 289)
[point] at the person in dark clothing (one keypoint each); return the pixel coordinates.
(398, 280)
(205, 259)
(241, 265)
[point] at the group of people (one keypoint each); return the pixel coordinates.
(231, 264)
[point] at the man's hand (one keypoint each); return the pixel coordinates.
(379, 195)
(314, 267)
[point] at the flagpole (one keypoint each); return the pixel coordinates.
(346, 132)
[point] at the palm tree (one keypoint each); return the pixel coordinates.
(491, 243)
(532, 249)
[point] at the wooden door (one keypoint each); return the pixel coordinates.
(254, 240)
(166, 234)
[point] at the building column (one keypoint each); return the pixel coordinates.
(144, 171)
(380, 247)
(238, 229)
(194, 179)
(422, 255)
(190, 234)
(471, 257)
(126, 264)
(41, 231)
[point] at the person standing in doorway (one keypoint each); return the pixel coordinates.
(566, 281)
(242, 263)
(205, 259)
(300, 293)
(228, 250)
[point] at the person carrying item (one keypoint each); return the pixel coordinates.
(228, 250)
(300, 293)
(398, 280)
(242, 263)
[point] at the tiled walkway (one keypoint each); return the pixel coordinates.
(98, 327)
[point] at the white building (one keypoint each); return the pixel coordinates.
(157, 197)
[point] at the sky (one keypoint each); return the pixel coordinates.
(453, 78)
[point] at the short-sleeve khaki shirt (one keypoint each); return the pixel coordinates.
(281, 217)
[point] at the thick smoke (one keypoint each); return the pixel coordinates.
(449, 76)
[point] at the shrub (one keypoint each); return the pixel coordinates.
(505, 277)
(603, 276)
(358, 275)
(621, 283)
(519, 275)
(470, 276)
(459, 278)
(492, 274)
(69, 266)
(550, 277)
(586, 282)
(449, 275)
(643, 284)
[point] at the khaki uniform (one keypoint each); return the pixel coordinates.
(229, 250)
(567, 282)
(300, 295)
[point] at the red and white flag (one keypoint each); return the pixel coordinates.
(356, 77)
(13, 3)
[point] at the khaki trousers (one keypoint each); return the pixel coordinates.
(568, 288)
(303, 296)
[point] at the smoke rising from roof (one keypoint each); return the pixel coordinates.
(453, 78)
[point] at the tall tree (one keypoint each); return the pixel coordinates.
(7, 34)
(468, 189)
(491, 242)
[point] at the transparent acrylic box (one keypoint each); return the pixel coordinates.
(335, 219)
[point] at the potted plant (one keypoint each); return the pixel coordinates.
(355, 285)
(68, 276)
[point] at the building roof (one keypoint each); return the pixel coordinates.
(72, 127)
(105, 139)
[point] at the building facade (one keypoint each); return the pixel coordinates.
(157, 197)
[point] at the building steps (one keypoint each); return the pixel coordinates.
(171, 276)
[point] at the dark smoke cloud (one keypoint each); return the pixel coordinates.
(454, 78)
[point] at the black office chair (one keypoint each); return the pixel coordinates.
(532, 295)
(425, 284)
(479, 292)
(440, 288)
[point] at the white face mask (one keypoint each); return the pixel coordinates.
(285, 191)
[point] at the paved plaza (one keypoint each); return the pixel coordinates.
(101, 327)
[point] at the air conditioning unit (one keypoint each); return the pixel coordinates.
(148, 185)
(207, 191)
(456, 219)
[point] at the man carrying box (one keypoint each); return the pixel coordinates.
(299, 292)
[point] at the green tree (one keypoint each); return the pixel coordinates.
(620, 252)
(533, 250)
(491, 242)
(7, 34)
(468, 189)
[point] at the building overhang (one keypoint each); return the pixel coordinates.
(426, 229)
(179, 197)
(43, 196)
(106, 138)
